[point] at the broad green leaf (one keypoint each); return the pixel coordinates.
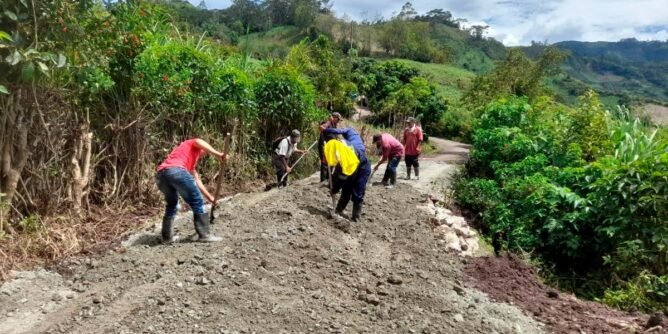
(11, 15)
(5, 36)
(28, 71)
(3, 90)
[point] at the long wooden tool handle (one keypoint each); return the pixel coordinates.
(219, 182)
(298, 160)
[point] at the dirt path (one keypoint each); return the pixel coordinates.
(283, 267)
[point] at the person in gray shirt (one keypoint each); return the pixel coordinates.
(283, 148)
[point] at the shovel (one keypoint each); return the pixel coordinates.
(298, 160)
(219, 182)
(332, 212)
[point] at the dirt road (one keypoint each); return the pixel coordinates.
(283, 267)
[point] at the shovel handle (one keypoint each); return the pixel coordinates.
(219, 182)
(298, 160)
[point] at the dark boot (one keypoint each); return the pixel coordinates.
(417, 173)
(357, 211)
(202, 228)
(386, 177)
(408, 173)
(341, 205)
(393, 178)
(167, 233)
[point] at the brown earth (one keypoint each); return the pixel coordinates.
(508, 280)
(284, 267)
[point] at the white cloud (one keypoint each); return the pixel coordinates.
(520, 21)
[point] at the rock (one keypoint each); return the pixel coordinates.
(395, 279)
(462, 231)
(202, 281)
(451, 241)
(655, 320)
(97, 300)
(459, 290)
(553, 294)
(462, 243)
(458, 317)
(371, 299)
(56, 297)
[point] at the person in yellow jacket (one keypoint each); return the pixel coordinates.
(351, 170)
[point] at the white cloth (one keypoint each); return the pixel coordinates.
(285, 148)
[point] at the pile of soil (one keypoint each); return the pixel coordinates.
(508, 280)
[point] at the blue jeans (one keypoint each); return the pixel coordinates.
(391, 170)
(175, 181)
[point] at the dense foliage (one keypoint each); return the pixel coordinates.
(585, 190)
(395, 91)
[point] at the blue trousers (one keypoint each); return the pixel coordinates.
(391, 170)
(175, 181)
(354, 186)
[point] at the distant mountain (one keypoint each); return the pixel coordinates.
(630, 71)
(626, 51)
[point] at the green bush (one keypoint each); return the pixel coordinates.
(585, 192)
(285, 100)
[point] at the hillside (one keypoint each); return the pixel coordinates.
(627, 72)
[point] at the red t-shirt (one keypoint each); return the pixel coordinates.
(185, 156)
(391, 146)
(412, 139)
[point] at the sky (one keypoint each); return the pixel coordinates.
(518, 22)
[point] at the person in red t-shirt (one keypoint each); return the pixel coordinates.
(177, 176)
(413, 143)
(391, 151)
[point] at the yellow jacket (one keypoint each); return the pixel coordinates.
(337, 152)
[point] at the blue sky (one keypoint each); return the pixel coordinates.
(516, 22)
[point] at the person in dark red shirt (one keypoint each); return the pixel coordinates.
(391, 152)
(412, 142)
(177, 176)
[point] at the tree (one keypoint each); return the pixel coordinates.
(202, 5)
(516, 75)
(478, 31)
(407, 12)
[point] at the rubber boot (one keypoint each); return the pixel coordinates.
(357, 211)
(408, 173)
(202, 228)
(393, 178)
(417, 173)
(341, 205)
(386, 177)
(167, 232)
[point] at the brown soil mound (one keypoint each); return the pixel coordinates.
(506, 279)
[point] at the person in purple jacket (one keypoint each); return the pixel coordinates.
(391, 151)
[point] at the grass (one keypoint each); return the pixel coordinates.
(274, 43)
(451, 81)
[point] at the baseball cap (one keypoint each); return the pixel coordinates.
(410, 120)
(295, 133)
(336, 114)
